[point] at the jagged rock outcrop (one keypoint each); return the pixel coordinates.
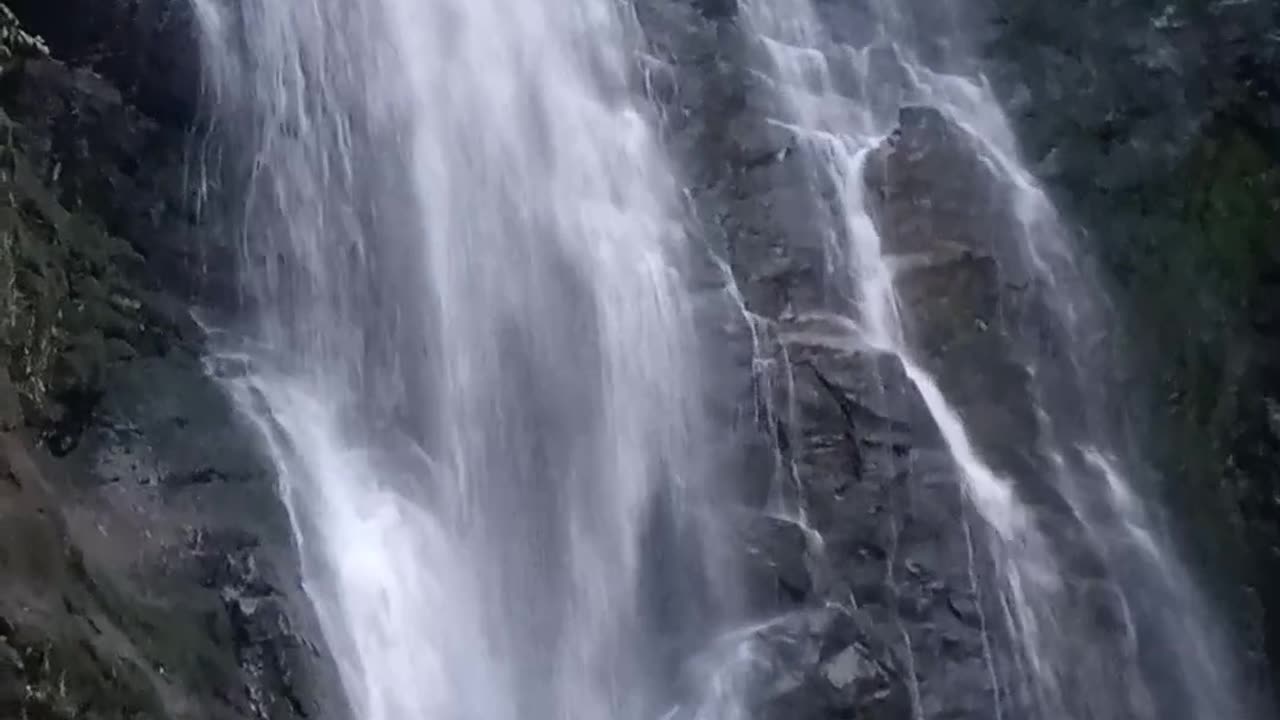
(869, 549)
(949, 226)
(148, 565)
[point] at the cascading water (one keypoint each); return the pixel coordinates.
(473, 354)
(1127, 637)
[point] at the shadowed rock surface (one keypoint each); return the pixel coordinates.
(1161, 138)
(148, 565)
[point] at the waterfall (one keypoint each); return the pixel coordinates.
(1101, 620)
(471, 332)
(470, 349)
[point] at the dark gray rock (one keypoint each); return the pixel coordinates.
(832, 667)
(149, 565)
(135, 593)
(141, 180)
(948, 222)
(780, 558)
(1160, 136)
(147, 48)
(858, 546)
(170, 470)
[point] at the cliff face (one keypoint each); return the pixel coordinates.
(1160, 136)
(1153, 127)
(148, 566)
(882, 617)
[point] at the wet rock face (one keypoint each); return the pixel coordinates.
(882, 493)
(865, 560)
(947, 225)
(825, 664)
(876, 604)
(857, 462)
(148, 564)
(1160, 137)
(200, 524)
(165, 582)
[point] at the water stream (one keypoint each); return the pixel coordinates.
(471, 345)
(474, 353)
(1132, 640)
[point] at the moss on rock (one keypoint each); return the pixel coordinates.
(67, 310)
(1164, 144)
